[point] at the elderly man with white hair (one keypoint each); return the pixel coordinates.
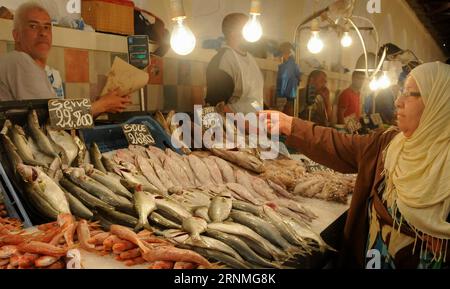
(22, 71)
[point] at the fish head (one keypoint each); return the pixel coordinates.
(88, 168)
(28, 173)
(75, 172)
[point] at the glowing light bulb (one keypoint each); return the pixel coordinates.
(346, 40)
(374, 84)
(252, 30)
(384, 81)
(315, 44)
(182, 39)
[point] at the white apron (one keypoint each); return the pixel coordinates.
(251, 99)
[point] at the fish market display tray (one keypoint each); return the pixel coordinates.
(111, 137)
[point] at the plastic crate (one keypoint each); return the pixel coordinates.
(111, 137)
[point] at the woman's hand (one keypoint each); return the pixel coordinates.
(280, 120)
(113, 102)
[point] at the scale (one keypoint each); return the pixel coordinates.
(139, 57)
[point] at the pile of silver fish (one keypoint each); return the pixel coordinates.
(197, 201)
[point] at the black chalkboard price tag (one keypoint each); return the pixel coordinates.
(70, 113)
(138, 134)
(210, 118)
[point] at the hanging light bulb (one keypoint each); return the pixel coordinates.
(315, 44)
(252, 31)
(346, 40)
(374, 84)
(182, 40)
(384, 81)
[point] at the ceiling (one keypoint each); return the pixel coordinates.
(435, 15)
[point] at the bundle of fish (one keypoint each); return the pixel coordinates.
(326, 185)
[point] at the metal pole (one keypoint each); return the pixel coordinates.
(142, 98)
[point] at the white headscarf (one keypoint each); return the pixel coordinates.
(418, 167)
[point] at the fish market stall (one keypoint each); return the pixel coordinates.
(153, 205)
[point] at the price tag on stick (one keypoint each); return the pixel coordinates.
(138, 134)
(70, 113)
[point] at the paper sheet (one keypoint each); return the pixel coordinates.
(126, 77)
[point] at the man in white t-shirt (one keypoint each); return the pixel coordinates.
(22, 72)
(233, 76)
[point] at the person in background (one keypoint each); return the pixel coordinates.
(22, 72)
(400, 206)
(233, 77)
(314, 102)
(288, 78)
(350, 99)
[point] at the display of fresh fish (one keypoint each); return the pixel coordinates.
(263, 189)
(226, 170)
(87, 199)
(38, 135)
(192, 198)
(244, 231)
(148, 172)
(78, 176)
(177, 172)
(306, 233)
(220, 207)
(65, 143)
(11, 150)
(77, 207)
(80, 159)
(202, 212)
(96, 157)
(244, 250)
(145, 205)
(179, 237)
(286, 231)
(110, 182)
(194, 226)
(156, 154)
(133, 180)
(263, 228)
(214, 170)
(172, 208)
(119, 218)
(183, 164)
(247, 207)
(138, 150)
(245, 180)
(221, 257)
(40, 203)
(164, 222)
(45, 187)
(162, 175)
(242, 159)
(200, 170)
(23, 149)
(279, 189)
(244, 193)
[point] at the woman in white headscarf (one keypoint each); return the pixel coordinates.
(399, 215)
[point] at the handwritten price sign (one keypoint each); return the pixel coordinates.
(70, 114)
(138, 134)
(210, 118)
